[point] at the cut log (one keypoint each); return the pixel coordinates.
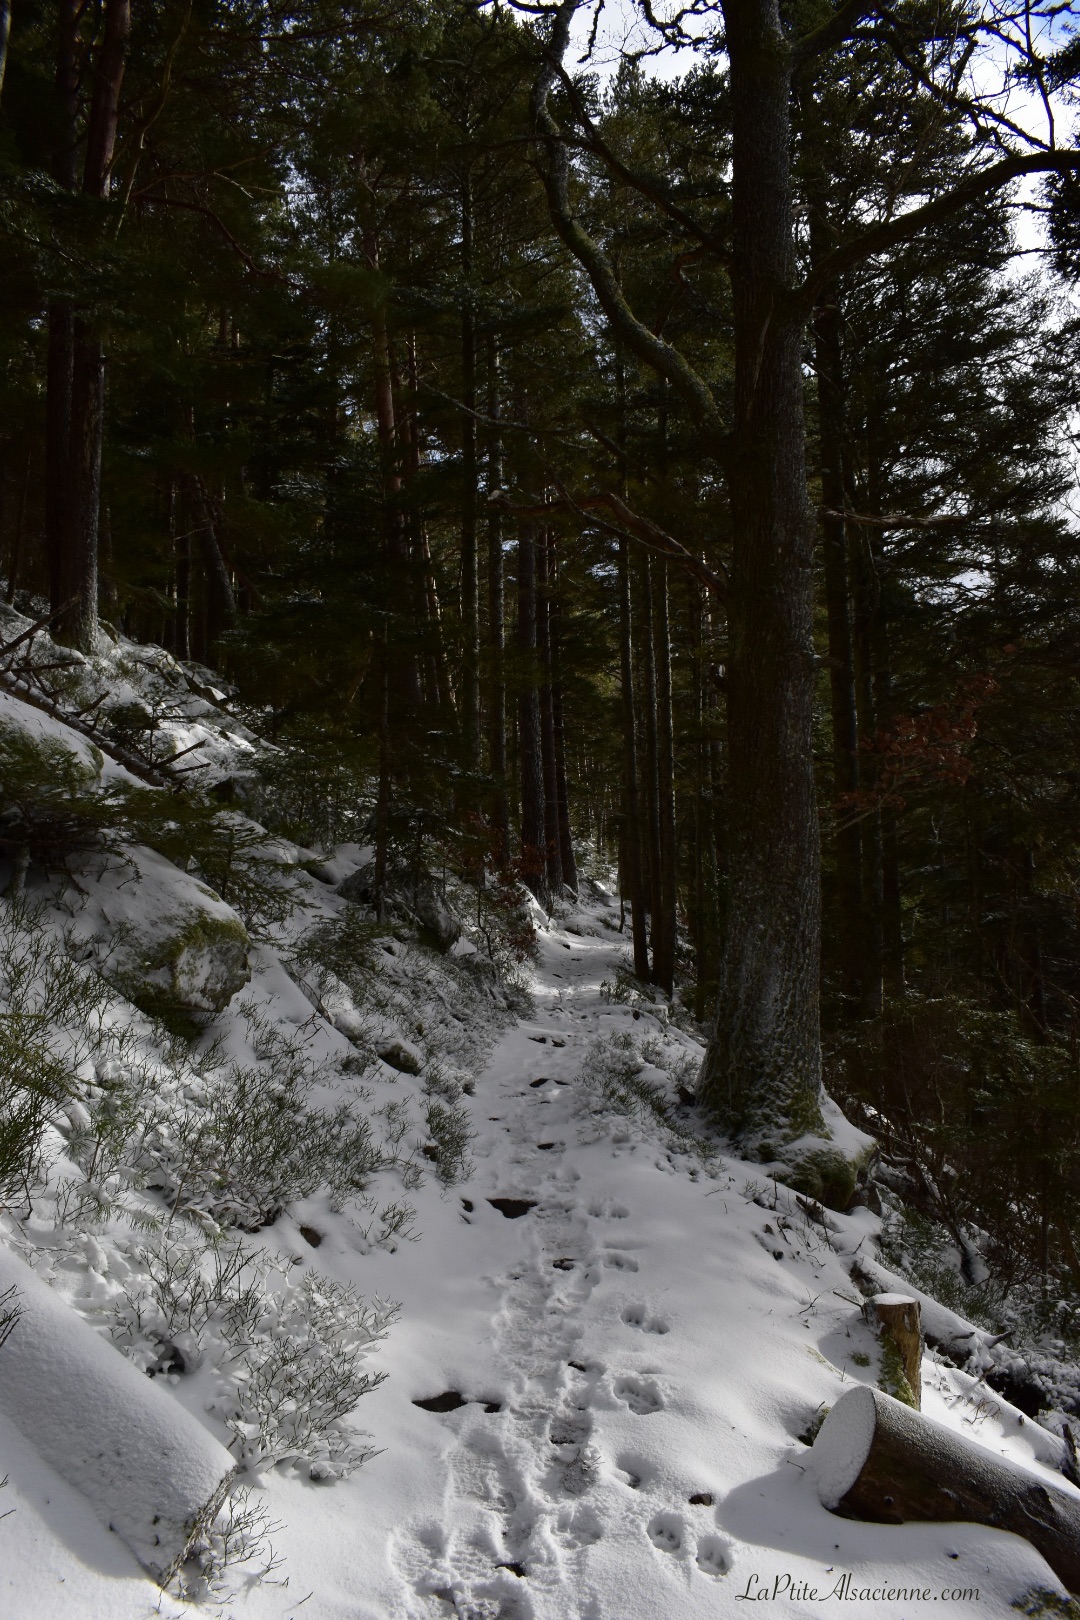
(878, 1460)
(899, 1323)
(148, 1468)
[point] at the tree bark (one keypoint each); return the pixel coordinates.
(178, 527)
(221, 598)
(872, 912)
(761, 1077)
(650, 821)
(496, 693)
(562, 795)
(552, 840)
(470, 585)
(530, 748)
(15, 556)
(403, 673)
(829, 357)
(61, 314)
(630, 841)
(77, 625)
(664, 953)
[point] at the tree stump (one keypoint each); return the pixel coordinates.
(898, 1321)
(877, 1459)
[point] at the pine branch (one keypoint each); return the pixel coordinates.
(555, 177)
(892, 233)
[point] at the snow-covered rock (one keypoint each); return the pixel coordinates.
(161, 934)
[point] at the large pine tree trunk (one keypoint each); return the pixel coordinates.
(761, 1077)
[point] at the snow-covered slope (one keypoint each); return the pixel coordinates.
(609, 1340)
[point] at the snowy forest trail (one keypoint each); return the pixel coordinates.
(610, 1341)
(607, 1350)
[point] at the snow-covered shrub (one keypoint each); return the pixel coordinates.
(233, 1542)
(448, 1128)
(395, 984)
(288, 1352)
(296, 1373)
(613, 1072)
(613, 1076)
(10, 1311)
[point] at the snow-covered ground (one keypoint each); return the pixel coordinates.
(608, 1345)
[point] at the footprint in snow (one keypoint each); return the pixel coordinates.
(634, 1470)
(640, 1394)
(620, 1262)
(667, 1531)
(713, 1555)
(637, 1316)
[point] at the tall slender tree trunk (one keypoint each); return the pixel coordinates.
(77, 623)
(872, 939)
(60, 314)
(470, 584)
(426, 607)
(15, 555)
(552, 840)
(761, 1077)
(630, 821)
(179, 529)
(530, 747)
(496, 695)
(828, 344)
(5, 35)
(221, 598)
(651, 773)
(664, 955)
(892, 922)
(562, 796)
(405, 674)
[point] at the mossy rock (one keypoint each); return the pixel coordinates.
(824, 1174)
(823, 1164)
(207, 961)
(168, 943)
